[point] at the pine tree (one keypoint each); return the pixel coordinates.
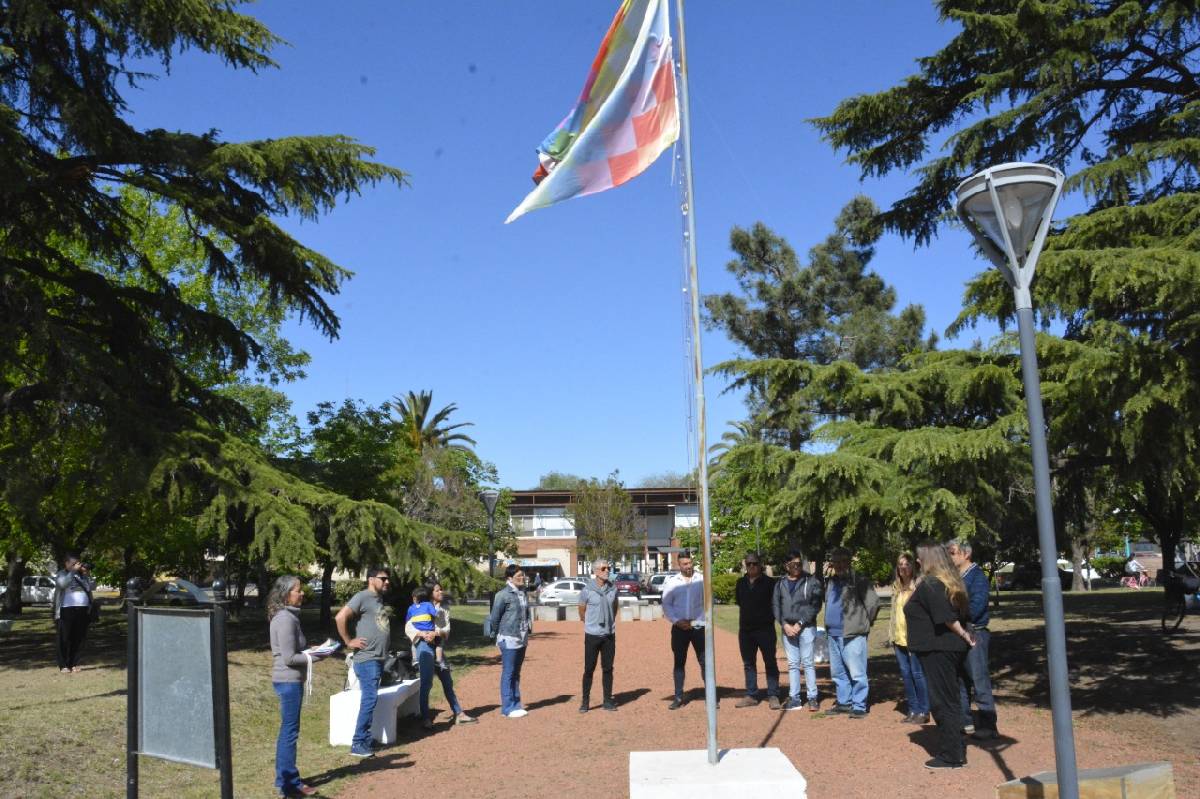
(1110, 93)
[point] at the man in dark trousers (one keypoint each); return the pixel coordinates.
(979, 680)
(598, 612)
(755, 593)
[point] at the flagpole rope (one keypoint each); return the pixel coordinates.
(689, 213)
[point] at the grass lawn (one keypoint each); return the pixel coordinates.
(65, 734)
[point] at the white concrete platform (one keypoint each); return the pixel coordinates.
(738, 772)
(401, 699)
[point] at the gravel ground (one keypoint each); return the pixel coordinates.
(556, 750)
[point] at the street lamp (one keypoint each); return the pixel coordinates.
(1008, 208)
(488, 497)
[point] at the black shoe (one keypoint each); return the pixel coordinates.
(676, 703)
(610, 705)
(918, 718)
(858, 714)
(584, 708)
(983, 734)
(937, 764)
(837, 708)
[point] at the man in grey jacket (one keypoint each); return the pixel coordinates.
(598, 612)
(797, 602)
(851, 605)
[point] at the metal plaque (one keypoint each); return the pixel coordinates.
(175, 686)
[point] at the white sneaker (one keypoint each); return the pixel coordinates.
(518, 713)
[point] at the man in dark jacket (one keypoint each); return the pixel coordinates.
(978, 680)
(755, 592)
(851, 605)
(797, 602)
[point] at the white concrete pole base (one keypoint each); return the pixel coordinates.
(738, 772)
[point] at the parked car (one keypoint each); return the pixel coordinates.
(1028, 577)
(177, 592)
(36, 589)
(561, 592)
(628, 584)
(654, 584)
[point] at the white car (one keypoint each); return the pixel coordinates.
(36, 589)
(561, 592)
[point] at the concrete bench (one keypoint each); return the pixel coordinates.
(401, 699)
(1138, 781)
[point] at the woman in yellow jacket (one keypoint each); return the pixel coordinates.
(915, 691)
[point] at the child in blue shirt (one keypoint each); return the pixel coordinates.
(422, 614)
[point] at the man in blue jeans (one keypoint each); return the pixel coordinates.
(979, 681)
(372, 635)
(851, 605)
(797, 603)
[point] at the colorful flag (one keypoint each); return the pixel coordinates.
(625, 117)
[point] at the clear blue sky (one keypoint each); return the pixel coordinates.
(560, 335)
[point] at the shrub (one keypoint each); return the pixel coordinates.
(723, 586)
(1112, 566)
(344, 589)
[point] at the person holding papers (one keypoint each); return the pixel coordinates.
(290, 671)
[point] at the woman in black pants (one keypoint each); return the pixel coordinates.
(937, 614)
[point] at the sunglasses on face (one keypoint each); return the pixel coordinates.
(753, 563)
(795, 563)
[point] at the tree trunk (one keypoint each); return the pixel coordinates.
(1079, 549)
(327, 599)
(12, 594)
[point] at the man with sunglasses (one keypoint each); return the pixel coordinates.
(797, 603)
(755, 593)
(598, 612)
(372, 636)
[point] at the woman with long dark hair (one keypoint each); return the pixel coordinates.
(916, 693)
(937, 616)
(289, 670)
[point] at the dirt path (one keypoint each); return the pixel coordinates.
(555, 750)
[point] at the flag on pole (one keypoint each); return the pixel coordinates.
(625, 117)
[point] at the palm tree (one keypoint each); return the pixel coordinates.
(420, 430)
(743, 432)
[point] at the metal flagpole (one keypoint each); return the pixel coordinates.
(689, 215)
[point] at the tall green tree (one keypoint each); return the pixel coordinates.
(1110, 93)
(606, 523)
(418, 428)
(831, 308)
(121, 344)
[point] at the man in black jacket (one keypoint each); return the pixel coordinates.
(755, 593)
(797, 602)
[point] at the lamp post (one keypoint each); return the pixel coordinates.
(488, 497)
(1008, 208)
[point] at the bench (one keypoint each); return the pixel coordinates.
(401, 699)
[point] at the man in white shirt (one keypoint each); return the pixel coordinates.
(683, 605)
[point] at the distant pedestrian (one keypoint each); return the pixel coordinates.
(72, 603)
(916, 693)
(978, 678)
(289, 674)
(598, 612)
(372, 637)
(755, 593)
(509, 618)
(936, 615)
(797, 602)
(683, 605)
(426, 657)
(851, 605)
